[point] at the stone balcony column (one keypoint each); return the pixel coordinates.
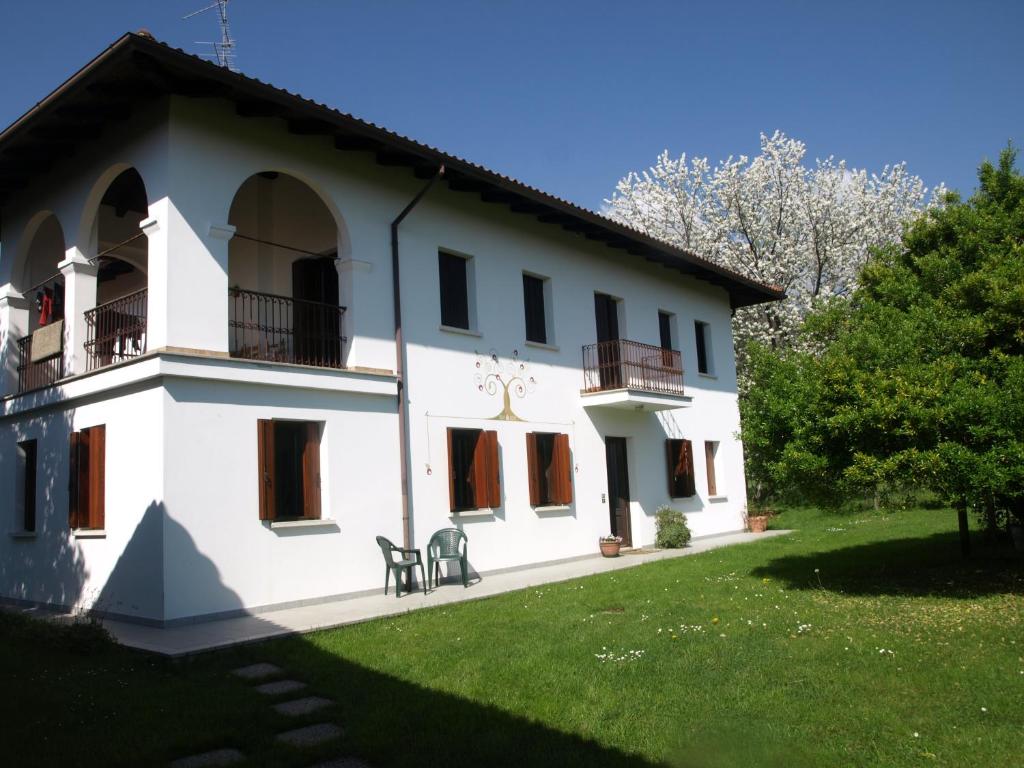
(14, 324)
(79, 297)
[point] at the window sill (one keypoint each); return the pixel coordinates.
(487, 512)
(542, 345)
(553, 508)
(707, 375)
(22, 534)
(319, 523)
(89, 533)
(460, 331)
(717, 498)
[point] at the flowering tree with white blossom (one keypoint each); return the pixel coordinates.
(806, 229)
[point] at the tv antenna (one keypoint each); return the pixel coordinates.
(224, 50)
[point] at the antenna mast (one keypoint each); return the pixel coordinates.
(223, 51)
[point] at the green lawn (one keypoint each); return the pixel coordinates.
(858, 640)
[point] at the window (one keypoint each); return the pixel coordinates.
(473, 473)
(680, 469)
(25, 488)
(710, 449)
(535, 303)
(550, 466)
(705, 360)
(454, 290)
(87, 482)
(665, 329)
(289, 469)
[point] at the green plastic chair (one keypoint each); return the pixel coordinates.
(408, 559)
(448, 544)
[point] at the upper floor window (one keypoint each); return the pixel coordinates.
(454, 273)
(289, 469)
(705, 359)
(535, 303)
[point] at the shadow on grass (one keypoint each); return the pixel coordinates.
(927, 565)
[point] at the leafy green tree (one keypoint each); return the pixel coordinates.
(919, 380)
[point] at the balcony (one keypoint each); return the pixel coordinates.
(280, 329)
(634, 376)
(116, 331)
(39, 374)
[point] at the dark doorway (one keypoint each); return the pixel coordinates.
(606, 312)
(618, 488)
(316, 321)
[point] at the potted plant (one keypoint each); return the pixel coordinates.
(610, 545)
(757, 518)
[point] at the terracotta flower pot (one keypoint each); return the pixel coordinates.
(610, 548)
(758, 523)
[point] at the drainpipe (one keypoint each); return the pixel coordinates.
(403, 411)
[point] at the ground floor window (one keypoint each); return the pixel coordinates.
(473, 471)
(88, 478)
(550, 469)
(710, 451)
(680, 469)
(25, 487)
(289, 469)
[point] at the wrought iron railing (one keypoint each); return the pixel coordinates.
(263, 326)
(116, 331)
(43, 373)
(622, 364)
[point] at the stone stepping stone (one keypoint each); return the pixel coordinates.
(343, 762)
(280, 686)
(302, 706)
(311, 735)
(257, 671)
(208, 759)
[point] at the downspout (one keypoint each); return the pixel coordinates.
(403, 411)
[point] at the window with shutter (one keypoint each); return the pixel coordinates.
(550, 469)
(533, 303)
(561, 471)
(710, 449)
(454, 290)
(288, 469)
(87, 479)
(681, 482)
(473, 470)
(25, 492)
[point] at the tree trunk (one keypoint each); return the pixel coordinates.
(991, 522)
(965, 535)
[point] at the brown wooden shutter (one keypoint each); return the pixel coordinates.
(451, 473)
(487, 484)
(561, 471)
(534, 468)
(311, 472)
(689, 485)
(709, 457)
(75, 481)
(97, 476)
(265, 470)
(671, 462)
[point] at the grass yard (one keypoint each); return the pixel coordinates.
(858, 640)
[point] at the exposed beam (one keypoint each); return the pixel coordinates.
(356, 142)
(498, 196)
(306, 127)
(396, 158)
(258, 108)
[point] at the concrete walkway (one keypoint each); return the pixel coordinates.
(204, 636)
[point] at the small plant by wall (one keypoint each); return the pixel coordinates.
(673, 532)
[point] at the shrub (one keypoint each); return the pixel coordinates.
(673, 531)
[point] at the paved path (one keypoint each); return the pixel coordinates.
(194, 638)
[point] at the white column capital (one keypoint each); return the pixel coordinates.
(353, 265)
(77, 264)
(222, 231)
(11, 298)
(150, 226)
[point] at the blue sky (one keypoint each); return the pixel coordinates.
(569, 96)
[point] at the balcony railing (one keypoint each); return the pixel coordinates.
(43, 373)
(116, 331)
(622, 364)
(281, 329)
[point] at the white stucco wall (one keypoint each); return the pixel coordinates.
(186, 441)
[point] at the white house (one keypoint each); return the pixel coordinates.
(218, 387)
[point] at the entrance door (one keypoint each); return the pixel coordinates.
(315, 320)
(606, 312)
(618, 488)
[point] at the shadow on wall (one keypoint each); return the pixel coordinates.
(136, 586)
(47, 568)
(928, 565)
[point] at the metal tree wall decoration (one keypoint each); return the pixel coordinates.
(510, 376)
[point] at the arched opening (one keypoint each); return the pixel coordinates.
(284, 287)
(41, 335)
(116, 327)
